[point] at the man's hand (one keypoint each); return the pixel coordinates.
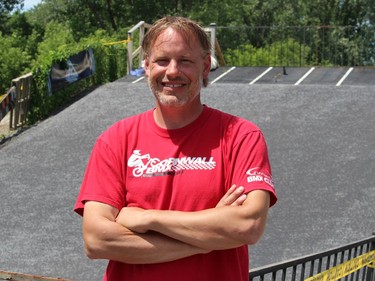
(233, 197)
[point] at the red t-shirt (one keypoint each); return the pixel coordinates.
(137, 163)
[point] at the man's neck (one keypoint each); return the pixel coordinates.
(175, 117)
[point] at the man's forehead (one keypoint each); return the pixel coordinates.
(172, 35)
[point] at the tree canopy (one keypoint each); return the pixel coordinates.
(253, 26)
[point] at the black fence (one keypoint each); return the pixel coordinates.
(297, 45)
(355, 261)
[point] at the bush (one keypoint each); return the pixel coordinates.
(110, 64)
(285, 53)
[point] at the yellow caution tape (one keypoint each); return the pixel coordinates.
(345, 268)
(118, 42)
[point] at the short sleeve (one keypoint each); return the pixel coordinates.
(250, 166)
(103, 179)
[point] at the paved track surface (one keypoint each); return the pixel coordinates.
(321, 141)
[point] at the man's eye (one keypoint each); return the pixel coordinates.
(161, 61)
(186, 61)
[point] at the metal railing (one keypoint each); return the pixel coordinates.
(298, 45)
(280, 45)
(342, 263)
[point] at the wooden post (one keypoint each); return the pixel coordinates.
(22, 101)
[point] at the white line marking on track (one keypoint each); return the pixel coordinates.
(139, 79)
(344, 77)
(304, 76)
(222, 75)
(260, 76)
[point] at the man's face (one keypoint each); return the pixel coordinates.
(176, 68)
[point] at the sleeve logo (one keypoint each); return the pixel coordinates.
(254, 175)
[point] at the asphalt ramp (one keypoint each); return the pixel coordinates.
(321, 145)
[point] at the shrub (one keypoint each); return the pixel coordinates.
(110, 64)
(285, 53)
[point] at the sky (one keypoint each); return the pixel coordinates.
(28, 4)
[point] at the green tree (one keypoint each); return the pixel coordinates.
(6, 7)
(56, 39)
(14, 61)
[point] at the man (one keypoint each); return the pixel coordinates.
(177, 192)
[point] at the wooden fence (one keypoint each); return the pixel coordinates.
(22, 87)
(16, 101)
(13, 276)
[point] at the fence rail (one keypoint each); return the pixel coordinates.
(16, 101)
(135, 53)
(280, 45)
(298, 45)
(132, 51)
(342, 263)
(22, 87)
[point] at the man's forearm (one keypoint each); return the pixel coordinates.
(212, 229)
(107, 239)
(152, 248)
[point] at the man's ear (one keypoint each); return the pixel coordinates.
(206, 66)
(147, 66)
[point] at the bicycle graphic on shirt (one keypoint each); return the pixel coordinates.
(137, 160)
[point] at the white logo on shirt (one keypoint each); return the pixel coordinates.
(256, 176)
(146, 166)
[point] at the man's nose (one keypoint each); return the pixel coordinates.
(173, 68)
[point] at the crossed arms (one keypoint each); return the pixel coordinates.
(138, 236)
